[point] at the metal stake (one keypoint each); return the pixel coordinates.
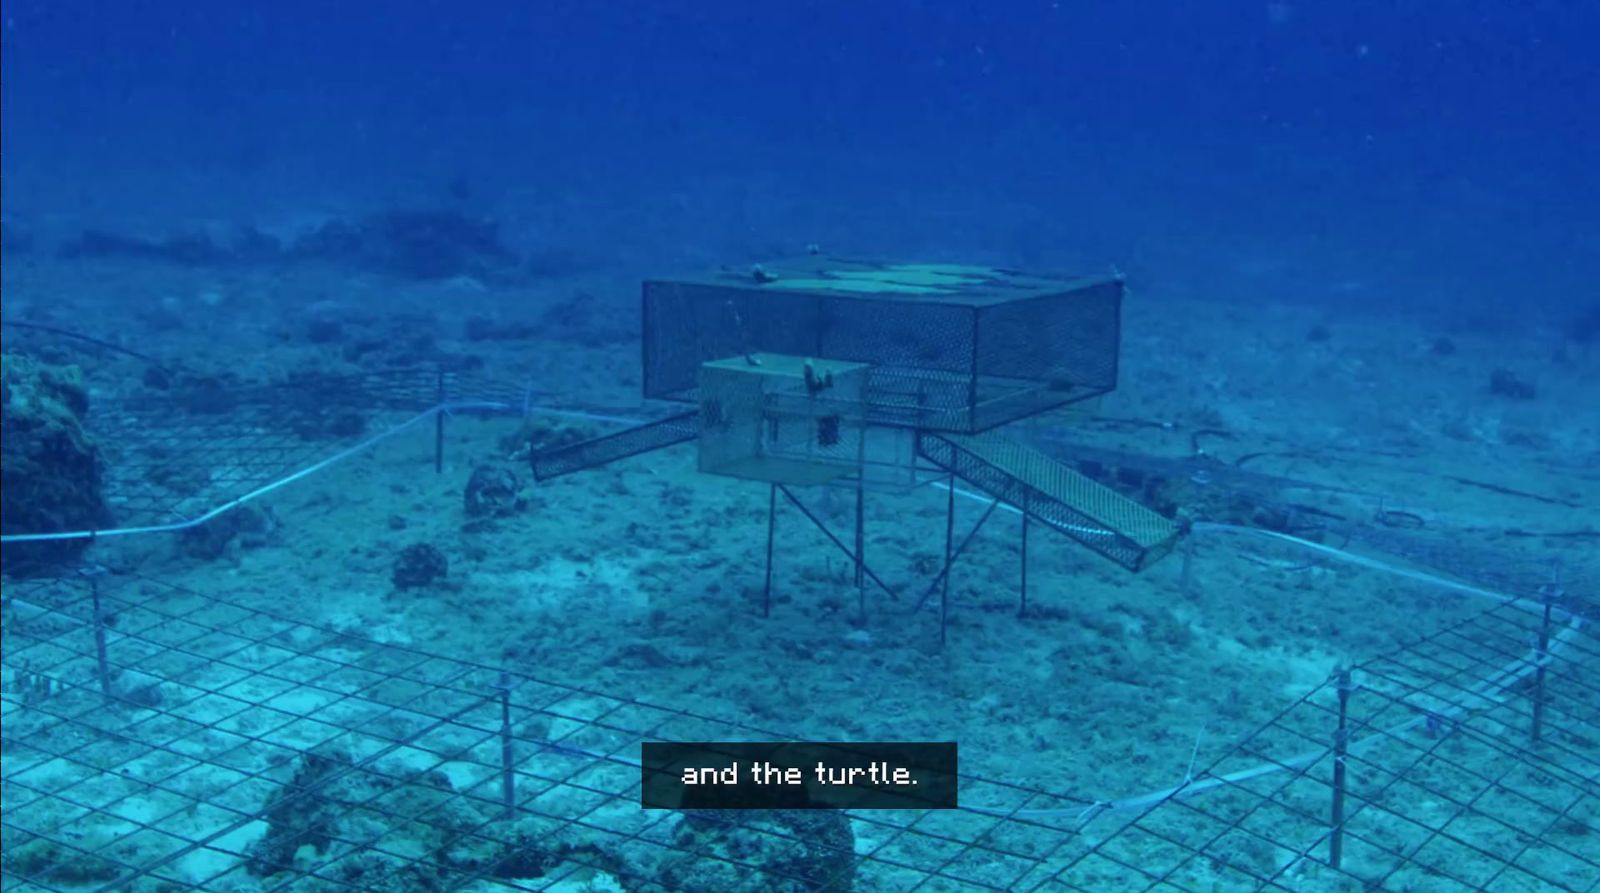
(1543, 658)
(1022, 603)
(100, 634)
(772, 516)
(1186, 574)
(508, 777)
(949, 546)
(1341, 746)
(861, 547)
(438, 427)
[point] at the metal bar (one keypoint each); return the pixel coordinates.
(949, 544)
(100, 636)
(861, 546)
(508, 775)
(839, 544)
(1186, 574)
(438, 427)
(1341, 745)
(1022, 600)
(1542, 655)
(960, 549)
(772, 516)
(647, 328)
(972, 377)
(861, 525)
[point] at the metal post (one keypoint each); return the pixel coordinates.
(100, 635)
(1341, 746)
(772, 515)
(1186, 573)
(438, 427)
(1543, 658)
(1022, 603)
(508, 776)
(972, 374)
(949, 547)
(861, 548)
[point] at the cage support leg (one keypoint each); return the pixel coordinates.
(832, 538)
(438, 427)
(1341, 746)
(960, 549)
(772, 516)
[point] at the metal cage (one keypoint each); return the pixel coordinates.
(952, 348)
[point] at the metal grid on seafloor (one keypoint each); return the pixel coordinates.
(245, 750)
(1446, 788)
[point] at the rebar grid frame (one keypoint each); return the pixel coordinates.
(1449, 789)
(116, 792)
(125, 791)
(247, 694)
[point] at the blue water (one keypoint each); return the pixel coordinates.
(1435, 154)
(1301, 170)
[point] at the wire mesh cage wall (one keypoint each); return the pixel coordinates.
(952, 348)
(782, 419)
(169, 446)
(169, 456)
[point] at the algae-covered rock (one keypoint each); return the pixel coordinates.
(50, 468)
(763, 851)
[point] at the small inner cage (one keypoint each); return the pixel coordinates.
(782, 419)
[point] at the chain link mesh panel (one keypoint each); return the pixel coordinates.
(687, 325)
(979, 348)
(1039, 353)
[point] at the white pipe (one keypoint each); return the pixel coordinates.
(1506, 676)
(464, 406)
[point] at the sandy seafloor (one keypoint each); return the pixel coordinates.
(643, 578)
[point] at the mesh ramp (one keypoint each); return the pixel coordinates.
(597, 451)
(1097, 517)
